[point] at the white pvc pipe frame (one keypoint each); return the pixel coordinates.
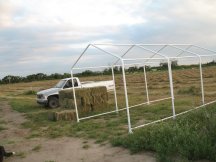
(164, 57)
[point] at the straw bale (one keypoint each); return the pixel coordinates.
(51, 116)
(62, 115)
(88, 99)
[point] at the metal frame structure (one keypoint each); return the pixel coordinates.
(156, 55)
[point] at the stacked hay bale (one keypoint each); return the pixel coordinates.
(88, 99)
(99, 98)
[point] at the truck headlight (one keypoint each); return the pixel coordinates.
(40, 96)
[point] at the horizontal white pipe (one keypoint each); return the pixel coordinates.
(160, 99)
(156, 121)
(134, 59)
(95, 67)
(182, 57)
(184, 112)
(207, 55)
(196, 108)
(91, 67)
(150, 102)
(88, 117)
(138, 64)
(114, 111)
(110, 44)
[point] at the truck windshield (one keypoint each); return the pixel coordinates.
(60, 84)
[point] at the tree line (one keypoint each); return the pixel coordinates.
(108, 71)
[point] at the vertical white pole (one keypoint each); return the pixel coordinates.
(146, 84)
(116, 103)
(126, 97)
(74, 95)
(201, 81)
(171, 86)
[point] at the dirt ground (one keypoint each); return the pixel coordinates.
(57, 150)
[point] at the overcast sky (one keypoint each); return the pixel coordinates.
(48, 35)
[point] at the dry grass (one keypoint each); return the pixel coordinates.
(158, 83)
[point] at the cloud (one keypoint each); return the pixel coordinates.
(36, 35)
(82, 13)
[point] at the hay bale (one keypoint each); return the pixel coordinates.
(51, 116)
(66, 115)
(99, 97)
(88, 99)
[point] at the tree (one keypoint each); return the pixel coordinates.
(164, 65)
(12, 79)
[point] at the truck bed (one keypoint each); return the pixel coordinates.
(109, 84)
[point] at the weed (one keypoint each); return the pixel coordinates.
(86, 146)
(36, 148)
(21, 154)
(85, 142)
(10, 142)
(2, 128)
(2, 122)
(30, 92)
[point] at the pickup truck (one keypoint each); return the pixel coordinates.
(50, 97)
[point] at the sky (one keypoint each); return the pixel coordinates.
(48, 35)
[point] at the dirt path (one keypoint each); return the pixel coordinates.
(57, 150)
(13, 121)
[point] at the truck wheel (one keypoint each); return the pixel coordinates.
(53, 102)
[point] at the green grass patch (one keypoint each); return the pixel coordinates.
(41, 126)
(191, 137)
(30, 92)
(25, 105)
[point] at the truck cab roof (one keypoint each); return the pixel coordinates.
(69, 78)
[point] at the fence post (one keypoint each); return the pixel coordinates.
(126, 97)
(146, 84)
(74, 95)
(171, 87)
(201, 81)
(116, 103)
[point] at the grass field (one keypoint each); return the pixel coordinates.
(171, 139)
